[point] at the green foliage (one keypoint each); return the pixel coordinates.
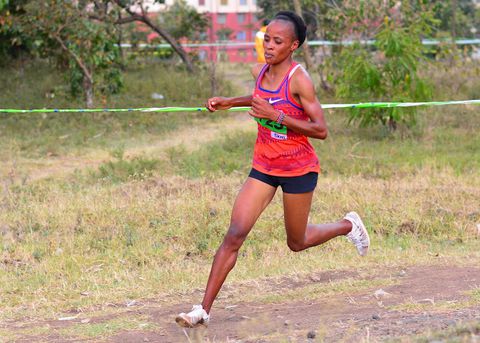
(464, 17)
(3, 3)
(182, 20)
(13, 42)
(64, 32)
(391, 74)
(270, 8)
(312, 12)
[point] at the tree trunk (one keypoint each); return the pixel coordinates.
(164, 34)
(87, 83)
(454, 31)
(88, 90)
(173, 43)
(454, 20)
(306, 51)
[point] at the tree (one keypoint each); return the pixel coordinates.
(388, 75)
(143, 16)
(13, 42)
(309, 9)
(87, 49)
(306, 52)
(456, 17)
(183, 21)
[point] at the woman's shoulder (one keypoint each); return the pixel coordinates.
(300, 79)
(256, 69)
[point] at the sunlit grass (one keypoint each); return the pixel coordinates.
(98, 209)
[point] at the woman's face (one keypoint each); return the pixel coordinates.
(279, 41)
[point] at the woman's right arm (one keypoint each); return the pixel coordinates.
(222, 103)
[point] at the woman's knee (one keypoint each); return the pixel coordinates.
(235, 237)
(295, 246)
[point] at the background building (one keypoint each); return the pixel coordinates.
(231, 21)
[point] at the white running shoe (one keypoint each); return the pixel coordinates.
(197, 316)
(359, 235)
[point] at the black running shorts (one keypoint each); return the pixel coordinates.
(290, 184)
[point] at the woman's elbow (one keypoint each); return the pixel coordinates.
(321, 133)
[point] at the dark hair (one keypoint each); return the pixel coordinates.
(298, 24)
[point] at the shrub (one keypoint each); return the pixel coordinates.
(388, 75)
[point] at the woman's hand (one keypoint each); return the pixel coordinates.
(262, 109)
(218, 103)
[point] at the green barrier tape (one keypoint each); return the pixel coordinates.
(238, 109)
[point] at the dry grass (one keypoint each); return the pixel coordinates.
(74, 238)
(138, 239)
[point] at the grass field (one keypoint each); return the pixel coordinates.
(107, 208)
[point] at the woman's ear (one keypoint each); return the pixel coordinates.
(295, 45)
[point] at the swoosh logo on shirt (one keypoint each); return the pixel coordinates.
(272, 101)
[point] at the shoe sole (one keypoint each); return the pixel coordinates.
(186, 324)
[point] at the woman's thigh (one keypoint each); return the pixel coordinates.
(296, 210)
(252, 199)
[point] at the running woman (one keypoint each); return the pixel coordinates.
(285, 105)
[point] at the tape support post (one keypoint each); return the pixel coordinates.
(237, 109)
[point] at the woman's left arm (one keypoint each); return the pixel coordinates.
(302, 86)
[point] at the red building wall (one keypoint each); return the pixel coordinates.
(243, 27)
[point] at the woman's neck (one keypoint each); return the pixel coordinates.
(279, 69)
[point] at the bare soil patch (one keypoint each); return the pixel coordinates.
(417, 299)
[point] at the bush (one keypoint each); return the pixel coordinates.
(388, 75)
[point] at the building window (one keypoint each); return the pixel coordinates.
(241, 18)
(201, 2)
(224, 2)
(241, 36)
(221, 18)
(203, 35)
(224, 34)
(243, 2)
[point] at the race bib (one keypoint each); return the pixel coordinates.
(272, 125)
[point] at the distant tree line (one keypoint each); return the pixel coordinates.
(83, 38)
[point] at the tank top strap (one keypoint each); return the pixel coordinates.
(284, 85)
(260, 75)
(286, 90)
(293, 70)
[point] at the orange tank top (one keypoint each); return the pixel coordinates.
(280, 151)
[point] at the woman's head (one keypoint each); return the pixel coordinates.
(285, 33)
(299, 27)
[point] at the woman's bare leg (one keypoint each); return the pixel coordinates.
(300, 234)
(250, 203)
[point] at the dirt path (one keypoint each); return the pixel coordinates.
(413, 301)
